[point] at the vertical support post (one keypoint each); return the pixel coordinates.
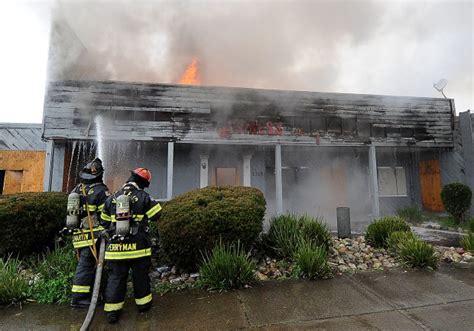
(169, 186)
(246, 169)
(48, 166)
(465, 126)
(204, 171)
(278, 180)
(54, 167)
(374, 183)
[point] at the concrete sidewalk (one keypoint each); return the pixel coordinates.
(394, 300)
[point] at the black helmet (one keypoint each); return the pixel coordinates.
(92, 170)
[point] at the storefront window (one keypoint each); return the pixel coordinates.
(392, 181)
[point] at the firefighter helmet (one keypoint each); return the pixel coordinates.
(143, 173)
(92, 170)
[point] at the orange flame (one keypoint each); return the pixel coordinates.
(191, 74)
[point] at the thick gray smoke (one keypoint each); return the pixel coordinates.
(355, 46)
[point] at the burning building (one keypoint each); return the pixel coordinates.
(308, 152)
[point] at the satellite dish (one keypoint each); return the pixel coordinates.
(439, 86)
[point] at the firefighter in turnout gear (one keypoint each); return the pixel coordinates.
(128, 212)
(84, 206)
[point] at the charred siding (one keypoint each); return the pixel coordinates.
(197, 113)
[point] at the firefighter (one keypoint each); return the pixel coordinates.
(84, 206)
(128, 212)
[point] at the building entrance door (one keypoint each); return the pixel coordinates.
(430, 181)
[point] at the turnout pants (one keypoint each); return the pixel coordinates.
(85, 274)
(116, 287)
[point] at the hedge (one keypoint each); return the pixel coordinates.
(194, 222)
(29, 222)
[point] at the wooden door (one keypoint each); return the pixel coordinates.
(430, 180)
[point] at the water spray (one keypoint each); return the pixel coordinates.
(99, 125)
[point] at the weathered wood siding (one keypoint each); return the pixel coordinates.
(243, 116)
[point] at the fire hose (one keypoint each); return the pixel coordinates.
(95, 293)
(98, 273)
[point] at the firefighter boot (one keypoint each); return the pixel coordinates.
(80, 303)
(113, 316)
(144, 308)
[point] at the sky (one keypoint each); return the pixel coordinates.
(358, 46)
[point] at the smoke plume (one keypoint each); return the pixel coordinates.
(356, 46)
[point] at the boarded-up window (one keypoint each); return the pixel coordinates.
(392, 181)
(226, 176)
(13, 181)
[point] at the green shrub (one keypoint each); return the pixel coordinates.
(14, 286)
(30, 221)
(316, 231)
(288, 230)
(56, 270)
(379, 230)
(197, 220)
(417, 253)
(227, 267)
(284, 234)
(456, 199)
(468, 242)
(311, 261)
(397, 238)
(411, 214)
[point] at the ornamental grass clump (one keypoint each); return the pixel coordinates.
(417, 253)
(315, 231)
(397, 238)
(311, 261)
(456, 198)
(288, 230)
(413, 251)
(378, 232)
(14, 286)
(227, 267)
(284, 235)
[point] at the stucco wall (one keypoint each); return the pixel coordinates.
(31, 163)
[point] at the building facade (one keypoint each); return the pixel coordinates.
(308, 152)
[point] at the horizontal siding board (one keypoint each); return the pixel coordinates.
(198, 109)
